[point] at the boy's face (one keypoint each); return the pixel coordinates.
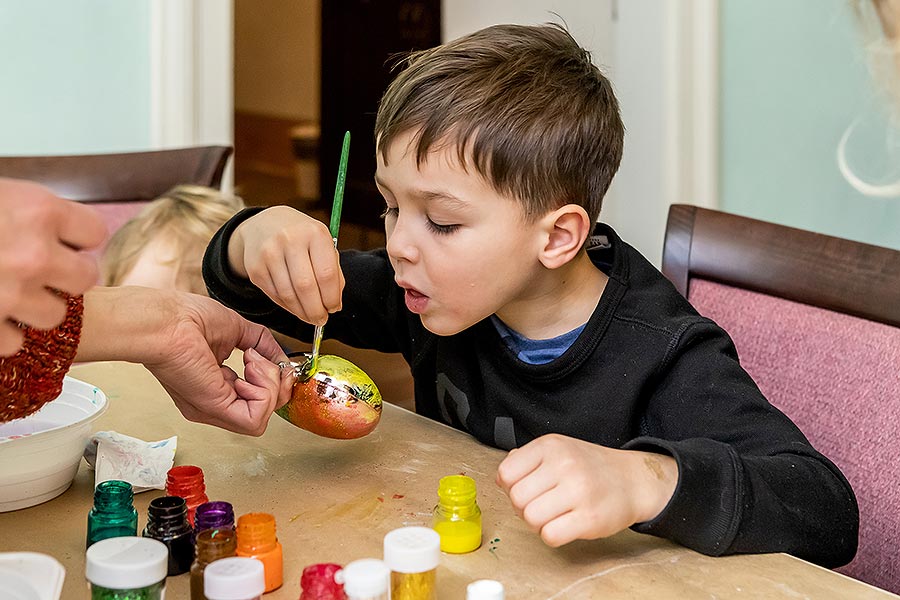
(460, 250)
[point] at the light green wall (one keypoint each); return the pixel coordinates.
(75, 76)
(794, 77)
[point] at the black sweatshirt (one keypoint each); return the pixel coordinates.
(646, 373)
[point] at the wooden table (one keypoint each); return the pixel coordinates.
(334, 501)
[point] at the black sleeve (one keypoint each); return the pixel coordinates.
(749, 481)
(372, 315)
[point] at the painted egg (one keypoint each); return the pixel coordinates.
(339, 401)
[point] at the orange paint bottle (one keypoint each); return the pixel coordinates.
(256, 539)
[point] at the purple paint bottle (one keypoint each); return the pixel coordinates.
(213, 515)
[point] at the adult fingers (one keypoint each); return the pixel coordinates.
(71, 272)
(11, 338)
(80, 226)
(39, 308)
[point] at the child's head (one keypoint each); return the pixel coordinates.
(162, 247)
(494, 153)
(523, 104)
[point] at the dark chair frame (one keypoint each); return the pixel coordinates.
(828, 272)
(122, 177)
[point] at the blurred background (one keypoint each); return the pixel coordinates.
(739, 105)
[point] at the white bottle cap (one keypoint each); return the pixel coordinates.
(234, 578)
(412, 549)
(365, 578)
(126, 563)
(485, 589)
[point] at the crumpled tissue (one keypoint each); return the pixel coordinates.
(144, 465)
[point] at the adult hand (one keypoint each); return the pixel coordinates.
(183, 340)
(291, 257)
(568, 489)
(41, 241)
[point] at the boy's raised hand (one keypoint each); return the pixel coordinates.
(568, 489)
(290, 256)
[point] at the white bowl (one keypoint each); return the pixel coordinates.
(39, 455)
(30, 576)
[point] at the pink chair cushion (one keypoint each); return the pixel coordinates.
(838, 378)
(115, 214)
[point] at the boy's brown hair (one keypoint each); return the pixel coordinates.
(538, 120)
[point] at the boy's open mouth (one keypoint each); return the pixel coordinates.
(416, 301)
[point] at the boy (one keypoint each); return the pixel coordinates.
(624, 406)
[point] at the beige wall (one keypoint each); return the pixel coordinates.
(276, 58)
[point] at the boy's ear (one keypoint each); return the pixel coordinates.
(565, 229)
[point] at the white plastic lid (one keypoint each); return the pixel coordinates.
(364, 578)
(30, 576)
(234, 578)
(412, 549)
(485, 589)
(126, 563)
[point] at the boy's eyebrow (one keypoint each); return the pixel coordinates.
(427, 195)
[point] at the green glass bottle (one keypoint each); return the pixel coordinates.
(113, 514)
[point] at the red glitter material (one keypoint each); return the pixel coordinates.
(34, 375)
(318, 583)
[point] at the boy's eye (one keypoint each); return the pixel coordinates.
(441, 229)
(390, 211)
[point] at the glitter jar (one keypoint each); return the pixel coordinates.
(457, 517)
(365, 579)
(187, 482)
(127, 568)
(413, 554)
(317, 583)
(485, 589)
(235, 578)
(113, 513)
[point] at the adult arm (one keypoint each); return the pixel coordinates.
(183, 340)
(41, 241)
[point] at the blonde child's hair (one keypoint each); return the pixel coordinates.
(187, 216)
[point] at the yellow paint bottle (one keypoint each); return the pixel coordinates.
(457, 518)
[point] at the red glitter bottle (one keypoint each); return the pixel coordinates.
(186, 482)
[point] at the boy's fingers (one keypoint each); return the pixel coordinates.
(328, 274)
(305, 287)
(565, 528)
(546, 507)
(517, 465)
(530, 487)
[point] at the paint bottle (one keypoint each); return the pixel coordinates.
(167, 522)
(235, 578)
(365, 579)
(127, 568)
(212, 544)
(457, 517)
(186, 482)
(113, 514)
(318, 583)
(256, 539)
(485, 589)
(412, 554)
(213, 515)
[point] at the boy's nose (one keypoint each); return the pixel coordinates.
(399, 244)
